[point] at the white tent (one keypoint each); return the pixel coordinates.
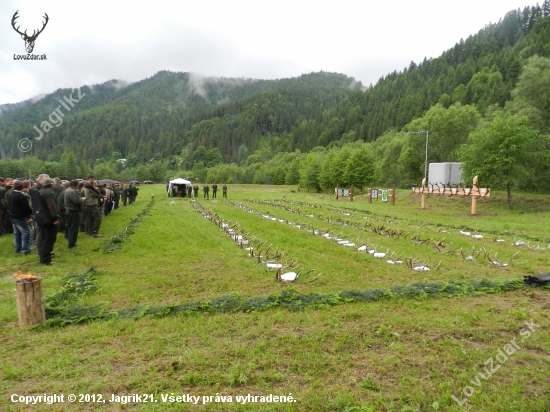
(180, 181)
(177, 181)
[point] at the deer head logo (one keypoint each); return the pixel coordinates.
(29, 40)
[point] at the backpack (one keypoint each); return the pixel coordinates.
(538, 280)
(40, 210)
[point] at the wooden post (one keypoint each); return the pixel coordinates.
(370, 194)
(336, 192)
(30, 302)
(423, 195)
(393, 196)
(152, 197)
(474, 198)
(351, 194)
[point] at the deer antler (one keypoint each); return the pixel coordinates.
(43, 25)
(15, 17)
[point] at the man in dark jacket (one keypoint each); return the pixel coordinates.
(214, 189)
(196, 191)
(36, 204)
(49, 230)
(73, 204)
(19, 213)
(5, 225)
(206, 189)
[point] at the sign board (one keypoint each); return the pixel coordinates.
(384, 195)
(339, 192)
(346, 192)
(374, 194)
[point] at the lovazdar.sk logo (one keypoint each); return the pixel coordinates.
(29, 39)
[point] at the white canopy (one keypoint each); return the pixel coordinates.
(179, 181)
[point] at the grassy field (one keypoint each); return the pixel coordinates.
(397, 353)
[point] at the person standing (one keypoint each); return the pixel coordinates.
(48, 222)
(224, 190)
(82, 213)
(214, 189)
(73, 205)
(59, 201)
(196, 191)
(5, 225)
(19, 213)
(206, 189)
(132, 193)
(189, 191)
(124, 195)
(116, 197)
(107, 203)
(93, 217)
(36, 204)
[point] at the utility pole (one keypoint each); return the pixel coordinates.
(426, 157)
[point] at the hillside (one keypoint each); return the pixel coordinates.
(166, 112)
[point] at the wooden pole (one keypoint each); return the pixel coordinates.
(30, 302)
(370, 194)
(336, 192)
(474, 198)
(351, 194)
(393, 196)
(423, 195)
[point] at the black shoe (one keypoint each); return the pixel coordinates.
(96, 235)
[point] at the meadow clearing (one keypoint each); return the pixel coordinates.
(175, 306)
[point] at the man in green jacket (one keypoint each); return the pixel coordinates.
(93, 217)
(73, 201)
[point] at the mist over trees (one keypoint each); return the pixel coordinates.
(318, 130)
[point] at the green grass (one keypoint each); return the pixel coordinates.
(387, 355)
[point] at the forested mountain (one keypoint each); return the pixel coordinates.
(314, 129)
(158, 116)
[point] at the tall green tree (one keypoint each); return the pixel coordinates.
(503, 153)
(71, 169)
(532, 93)
(360, 168)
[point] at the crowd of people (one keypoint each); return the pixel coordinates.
(193, 190)
(36, 213)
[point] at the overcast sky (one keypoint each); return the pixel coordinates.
(88, 42)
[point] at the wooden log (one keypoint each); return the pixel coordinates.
(30, 302)
(474, 205)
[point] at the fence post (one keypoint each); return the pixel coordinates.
(370, 194)
(393, 196)
(351, 194)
